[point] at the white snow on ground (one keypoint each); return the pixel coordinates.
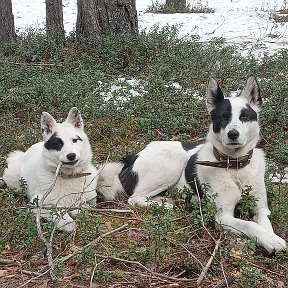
(245, 23)
(120, 91)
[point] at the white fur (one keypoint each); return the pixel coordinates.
(37, 166)
(160, 169)
(161, 166)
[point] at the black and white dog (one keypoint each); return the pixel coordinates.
(64, 144)
(227, 162)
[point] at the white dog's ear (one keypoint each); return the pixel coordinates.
(47, 123)
(214, 94)
(75, 118)
(251, 92)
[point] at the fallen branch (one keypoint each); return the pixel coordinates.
(229, 280)
(206, 268)
(145, 268)
(94, 242)
(200, 210)
(47, 243)
(93, 272)
(4, 261)
(217, 243)
(34, 278)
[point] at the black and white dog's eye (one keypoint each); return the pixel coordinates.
(244, 118)
(225, 117)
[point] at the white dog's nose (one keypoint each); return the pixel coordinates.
(71, 156)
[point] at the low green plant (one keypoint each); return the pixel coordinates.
(199, 7)
(245, 207)
(249, 277)
(199, 213)
(159, 227)
(136, 253)
(89, 226)
(87, 257)
(100, 275)
(58, 268)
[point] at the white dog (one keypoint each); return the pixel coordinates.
(65, 144)
(227, 162)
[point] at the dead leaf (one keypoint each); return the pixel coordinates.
(3, 273)
(108, 226)
(279, 284)
(44, 284)
(235, 253)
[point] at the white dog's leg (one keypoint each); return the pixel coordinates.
(270, 241)
(261, 210)
(64, 222)
(261, 217)
(143, 198)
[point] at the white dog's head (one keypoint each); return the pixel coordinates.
(234, 120)
(66, 142)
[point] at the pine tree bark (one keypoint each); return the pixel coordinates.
(105, 17)
(7, 27)
(176, 4)
(54, 20)
(87, 24)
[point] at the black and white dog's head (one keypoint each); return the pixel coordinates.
(235, 125)
(66, 142)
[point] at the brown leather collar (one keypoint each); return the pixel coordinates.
(69, 176)
(227, 162)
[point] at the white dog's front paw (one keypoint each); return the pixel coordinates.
(273, 243)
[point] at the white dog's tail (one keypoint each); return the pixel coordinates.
(109, 184)
(11, 174)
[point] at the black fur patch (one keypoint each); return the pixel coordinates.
(188, 145)
(191, 175)
(54, 143)
(128, 177)
(221, 115)
(248, 114)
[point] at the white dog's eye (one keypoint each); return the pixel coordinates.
(74, 140)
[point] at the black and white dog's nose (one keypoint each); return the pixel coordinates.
(71, 156)
(233, 134)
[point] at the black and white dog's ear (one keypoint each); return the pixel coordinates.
(251, 92)
(74, 117)
(47, 123)
(214, 94)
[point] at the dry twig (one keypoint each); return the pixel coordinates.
(94, 242)
(206, 268)
(146, 269)
(217, 242)
(47, 243)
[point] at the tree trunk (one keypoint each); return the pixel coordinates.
(104, 17)
(7, 28)
(54, 20)
(87, 24)
(176, 4)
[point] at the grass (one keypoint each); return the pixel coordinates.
(36, 75)
(160, 8)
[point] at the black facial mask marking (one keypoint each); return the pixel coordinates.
(248, 114)
(221, 115)
(54, 143)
